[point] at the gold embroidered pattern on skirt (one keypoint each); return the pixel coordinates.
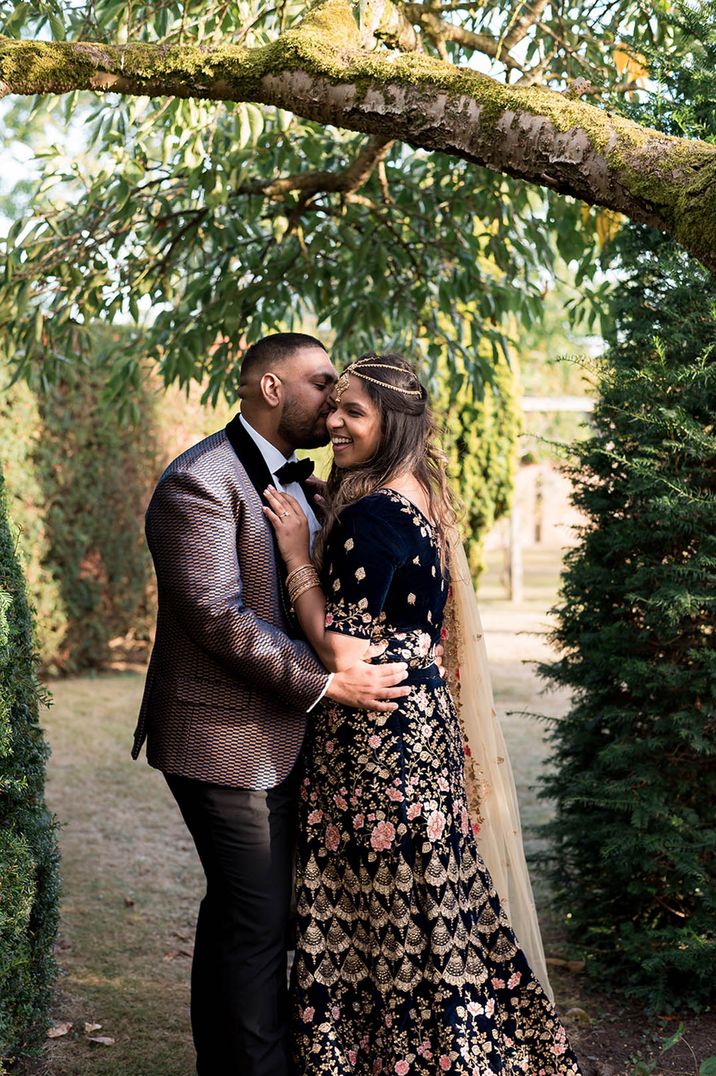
(405, 963)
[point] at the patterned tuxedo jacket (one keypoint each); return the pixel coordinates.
(227, 687)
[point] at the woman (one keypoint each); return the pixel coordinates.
(405, 960)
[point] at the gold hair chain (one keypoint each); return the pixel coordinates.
(342, 383)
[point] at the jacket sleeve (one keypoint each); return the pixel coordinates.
(192, 536)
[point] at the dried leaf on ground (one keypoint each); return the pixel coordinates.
(57, 1030)
(89, 1028)
(174, 953)
(101, 1040)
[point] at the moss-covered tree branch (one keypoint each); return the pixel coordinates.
(320, 71)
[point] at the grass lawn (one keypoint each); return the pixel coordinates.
(131, 884)
(130, 887)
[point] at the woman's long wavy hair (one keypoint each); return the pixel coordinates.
(408, 445)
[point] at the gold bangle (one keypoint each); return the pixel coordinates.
(299, 579)
(298, 584)
(310, 585)
(301, 568)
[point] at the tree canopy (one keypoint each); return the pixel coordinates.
(226, 188)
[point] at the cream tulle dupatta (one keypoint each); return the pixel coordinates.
(492, 797)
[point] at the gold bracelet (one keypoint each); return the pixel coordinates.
(301, 577)
(301, 568)
(297, 584)
(310, 585)
(298, 577)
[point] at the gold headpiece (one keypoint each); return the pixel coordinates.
(357, 368)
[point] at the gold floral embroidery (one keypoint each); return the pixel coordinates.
(405, 962)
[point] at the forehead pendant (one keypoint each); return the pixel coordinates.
(342, 383)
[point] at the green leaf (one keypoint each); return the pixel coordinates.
(673, 1039)
(708, 1067)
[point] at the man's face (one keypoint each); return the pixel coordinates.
(308, 379)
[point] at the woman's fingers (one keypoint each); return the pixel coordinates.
(282, 502)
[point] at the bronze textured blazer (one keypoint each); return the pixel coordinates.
(228, 687)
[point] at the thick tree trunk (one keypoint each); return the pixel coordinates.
(321, 72)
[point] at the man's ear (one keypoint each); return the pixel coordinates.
(271, 391)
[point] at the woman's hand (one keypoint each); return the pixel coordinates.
(288, 520)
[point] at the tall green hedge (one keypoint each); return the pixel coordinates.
(77, 482)
(28, 850)
(482, 425)
(634, 779)
(20, 429)
(79, 478)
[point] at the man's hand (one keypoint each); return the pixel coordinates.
(370, 687)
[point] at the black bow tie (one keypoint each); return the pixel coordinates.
(295, 471)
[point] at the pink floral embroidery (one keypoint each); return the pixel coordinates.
(329, 620)
(358, 821)
(445, 1063)
(314, 817)
(499, 984)
(374, 741)
(464, 821)
(308, 1014)
(436, 825)
(333, 837)
(382, 836)
(402, 1067)
(414, 810)
(424, 643)
(514, 979)
(395, 795)
(340, 802)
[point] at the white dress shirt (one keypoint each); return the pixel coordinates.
(274, 460)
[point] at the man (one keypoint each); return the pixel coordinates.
(228, 692)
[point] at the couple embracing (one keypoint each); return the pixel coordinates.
(294, 704)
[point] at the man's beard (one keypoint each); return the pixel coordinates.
(302, 430)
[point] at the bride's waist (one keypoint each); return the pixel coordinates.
(414, 647)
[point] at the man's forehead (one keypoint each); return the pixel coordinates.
(313, 361)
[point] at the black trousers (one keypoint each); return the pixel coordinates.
(239, 997)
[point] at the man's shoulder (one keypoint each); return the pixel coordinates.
(203, 459)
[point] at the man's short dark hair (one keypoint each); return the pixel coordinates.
(273, 350)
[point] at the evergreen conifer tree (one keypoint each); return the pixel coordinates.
(634, 837)
(28, 850)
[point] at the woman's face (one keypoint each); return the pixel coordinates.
(354, 426)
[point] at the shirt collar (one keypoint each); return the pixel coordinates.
(273, 457)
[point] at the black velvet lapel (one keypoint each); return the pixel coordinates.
(260, 477)
(250, 455)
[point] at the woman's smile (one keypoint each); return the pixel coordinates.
(354, 427)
